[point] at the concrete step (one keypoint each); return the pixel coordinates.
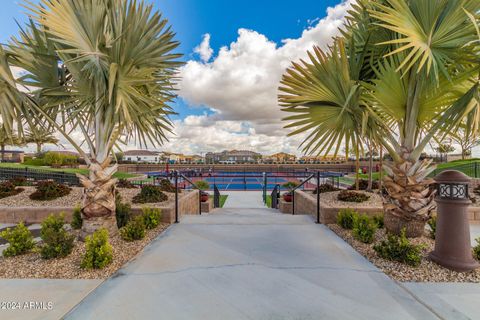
(241, 216)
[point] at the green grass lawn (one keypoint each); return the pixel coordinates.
(119, 175)
(223, 198)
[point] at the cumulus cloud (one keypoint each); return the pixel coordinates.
(241, 83)
(204, 49)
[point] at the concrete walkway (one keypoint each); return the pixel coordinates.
(243, 199)
(42, 299)
(249, 264)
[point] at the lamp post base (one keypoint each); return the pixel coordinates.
(455, 264)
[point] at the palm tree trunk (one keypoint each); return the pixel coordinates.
(370, 168)
(39, 148)
(357, 169)
(410, 198)
(380, 169)
(98, 208)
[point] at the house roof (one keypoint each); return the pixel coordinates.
(140, 153)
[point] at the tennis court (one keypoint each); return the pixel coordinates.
(247, 180)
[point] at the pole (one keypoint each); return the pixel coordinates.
(318, 196)
(176, 196)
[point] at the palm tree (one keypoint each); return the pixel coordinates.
(409, 71)
(101, 67)
(40, 136)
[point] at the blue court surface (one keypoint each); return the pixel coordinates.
(248, 180)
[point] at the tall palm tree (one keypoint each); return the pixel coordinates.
(417, 77)
(40, 136)
(101, 67)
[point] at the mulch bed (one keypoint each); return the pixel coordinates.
(32, 265)
(428, 271)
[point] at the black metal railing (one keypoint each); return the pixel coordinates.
(216, 197)
(471, 169)
(39, 175)
(275, 195)
(176, 175)
(318, 176)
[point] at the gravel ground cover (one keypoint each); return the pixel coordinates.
(31, 265)
(330, 198)
(428, 271)
(75, 197)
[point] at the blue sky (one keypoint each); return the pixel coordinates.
(191, 19)
(228, 98)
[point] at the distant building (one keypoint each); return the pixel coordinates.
(280, 157)
(233, 157)
(16, 156)
(141, 156)
(322, 159)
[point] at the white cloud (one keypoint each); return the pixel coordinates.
(204, 49)
(241, 84)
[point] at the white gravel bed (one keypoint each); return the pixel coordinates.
(330, 198)
(75, 197)
(428, 271)
(32, 265)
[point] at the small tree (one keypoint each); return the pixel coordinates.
(41, 136)
(102, 67)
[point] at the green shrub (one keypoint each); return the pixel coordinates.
(58, 159)
(34, 162)
(49, 190)
(134, 230)
(202, 185)
(7, 189)
(98, 251)
(364, 228)
(122, 211)
(57, 242)
(352, 196)
(167, 186)
(399, 248)
(150, 194)
(432, 223)
(19, 181)
(326, 187)
(77, 220)
(346, 217)
(290, 185)
(151, 217)
(378, 219)
(363, 185)
(126, 184)
(20, 240)
(476, 249)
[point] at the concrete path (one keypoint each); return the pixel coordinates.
(459, 301)
(41, 299)
(244, 199)
(249, 264)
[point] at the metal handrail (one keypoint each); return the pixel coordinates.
(318, 193)
(274, 196)
(176, 176)
(216, 197)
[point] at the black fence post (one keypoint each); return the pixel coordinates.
(476, 169)
(293, 202)
(176, 196)
(318, 196)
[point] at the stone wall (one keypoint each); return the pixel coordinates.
(284, 206)
(306, 203)
(188, 205)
